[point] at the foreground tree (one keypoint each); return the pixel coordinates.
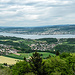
(37, 64)
(57, 66)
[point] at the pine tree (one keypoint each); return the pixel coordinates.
(37, 64)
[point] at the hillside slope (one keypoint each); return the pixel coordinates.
(46, 30)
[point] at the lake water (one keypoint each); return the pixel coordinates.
(37, 36)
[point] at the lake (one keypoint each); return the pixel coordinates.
(37, 36)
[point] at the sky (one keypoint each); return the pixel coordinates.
(27, 13)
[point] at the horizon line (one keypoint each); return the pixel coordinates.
(40, 26)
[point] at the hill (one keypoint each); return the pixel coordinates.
(19, 45)
(46, 30)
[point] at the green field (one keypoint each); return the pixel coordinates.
(27, 55)
(44, 54)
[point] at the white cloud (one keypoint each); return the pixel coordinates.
(31, 17)
(5, 0)
(2, 22)
(39, 12)
(7, 13)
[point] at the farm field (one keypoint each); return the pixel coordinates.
(9, 61)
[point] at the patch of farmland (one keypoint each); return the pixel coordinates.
(8, 60)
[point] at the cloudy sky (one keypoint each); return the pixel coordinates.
(36, 12)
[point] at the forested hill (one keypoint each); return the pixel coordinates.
(46, 30)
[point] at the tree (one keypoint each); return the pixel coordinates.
(37, 64)
(57, 66)
(57, 53)
(21, 68)
(64, 55)
(71, 62)
(24, 58)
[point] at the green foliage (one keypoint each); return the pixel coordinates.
(71, 40)
(30, 73)
(17, 45)
(37, 64)
(9, 43)
(68, 45)
(56, 66)
(64, 64)
(11, 38)
(71, 62)
(5, 71)
(21, 68)
(65, 48)
(1, 67)
(49, 40)
(64, 55)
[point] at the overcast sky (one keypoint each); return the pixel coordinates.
(36, 12)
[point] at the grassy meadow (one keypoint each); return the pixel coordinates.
(44, 54)
(27, 55)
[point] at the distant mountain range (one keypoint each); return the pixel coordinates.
(44, 30)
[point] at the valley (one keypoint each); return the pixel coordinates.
(13, 46)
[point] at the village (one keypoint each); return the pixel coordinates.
(6, 49)
(42, 46)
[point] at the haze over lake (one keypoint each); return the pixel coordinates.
(37, 36)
